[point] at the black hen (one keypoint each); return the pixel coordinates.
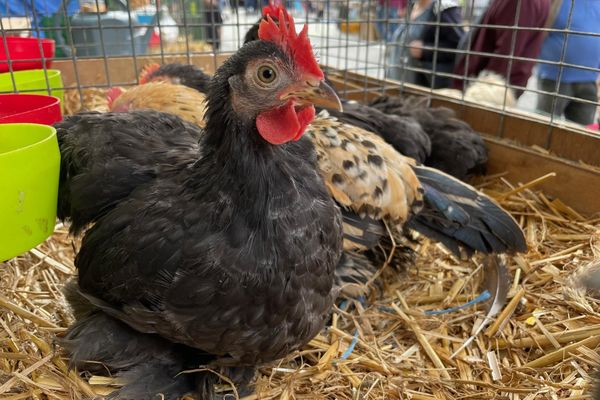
(220, 255)
(455, 147)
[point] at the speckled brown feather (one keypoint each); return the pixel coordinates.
(364, 173)
(180, 100)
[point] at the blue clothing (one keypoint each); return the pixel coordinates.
(397, 54)
(43, 8)
(581, 49)
(23, 8)
(386, 31)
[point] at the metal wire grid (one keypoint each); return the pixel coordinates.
(360, 52)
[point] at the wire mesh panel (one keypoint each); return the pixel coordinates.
(492, 61)
(533, 55)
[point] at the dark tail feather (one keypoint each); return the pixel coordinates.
(184, 74)
(459, 216)
(362, 233)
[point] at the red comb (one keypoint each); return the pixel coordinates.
(112, 95)
(296, 45)
(147, 71)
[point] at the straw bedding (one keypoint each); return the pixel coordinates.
(543, 345)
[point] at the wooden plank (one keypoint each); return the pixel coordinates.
(576, 144)
(575, 184)
(564, 139)
(121, 71)
(525, 132)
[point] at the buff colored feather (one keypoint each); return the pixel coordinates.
(180, 100)
(363, 172)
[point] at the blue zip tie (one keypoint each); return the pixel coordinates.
(363, 302)
(360, 299)
(482, 297)
(350, 348)
(343, 304)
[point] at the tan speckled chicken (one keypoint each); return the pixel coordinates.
(366, 175)
(377, 184)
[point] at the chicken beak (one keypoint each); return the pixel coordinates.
(320, 95)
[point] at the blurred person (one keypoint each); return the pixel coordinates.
(388, 12)
(397, 54)
(491, 41)
(321, 7)
(307, 6)
(581, 50)
(213, 21)
(416, 45)
(474, 9)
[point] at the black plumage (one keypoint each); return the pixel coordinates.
(130, 148)
(184, 74)
(220, 253)
(252, 33)
(455, 147)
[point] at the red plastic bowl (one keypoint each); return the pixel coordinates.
(32, 108)
(25, 53)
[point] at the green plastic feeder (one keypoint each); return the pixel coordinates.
(29, 170)
(34, 81)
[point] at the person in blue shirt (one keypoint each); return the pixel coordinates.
(581, 50)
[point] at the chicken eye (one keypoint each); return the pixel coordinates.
(266, 74)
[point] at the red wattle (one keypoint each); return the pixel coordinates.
(284, 124)
(305, 117)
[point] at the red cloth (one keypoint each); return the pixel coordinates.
(533, 13)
